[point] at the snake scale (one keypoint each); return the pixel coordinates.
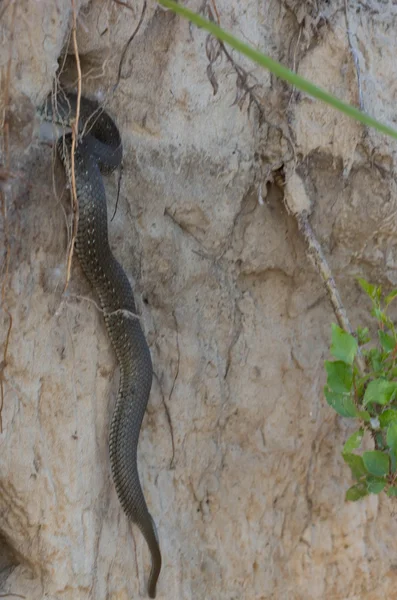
(99, 149)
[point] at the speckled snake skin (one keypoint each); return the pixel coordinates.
(99, 148)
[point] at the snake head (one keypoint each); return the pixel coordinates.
(59, 108)
(55, 116)
(95, 126)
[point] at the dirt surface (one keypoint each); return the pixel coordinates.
(245, 480)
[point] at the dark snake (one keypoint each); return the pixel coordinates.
(99, 149)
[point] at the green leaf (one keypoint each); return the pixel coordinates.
(340, 376)
(356, 465)
(359, 384)
(392, 491)
(375, 485)
(356, 492)
(363, 415)
(390, 297)
(380, 391)
(370, 289)
(344, 346)
(375, 357)
(353, 442)
(376, 462)
(378, 314)
(341, 403)
(387, 341)
(393, 373)
(391, 437)
(382, 317)
(388, 416)
(363, 335)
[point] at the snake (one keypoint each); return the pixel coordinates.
(99, 150)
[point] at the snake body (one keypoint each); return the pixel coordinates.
(99, 148)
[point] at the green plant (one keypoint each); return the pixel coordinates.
(369, 397)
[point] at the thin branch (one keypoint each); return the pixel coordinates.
(4, 8)
(242, 75)
(85, 299)
(124, 52)
(123, 312)
(216, 11)
(355, 59)
(75, 129)
(173, 387)
(6, 97)
(168, 416)
(5, 128)
(316, 254)
(3, 365)
(293, 91)
(121, 3)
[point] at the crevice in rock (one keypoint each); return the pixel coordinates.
(9, 559)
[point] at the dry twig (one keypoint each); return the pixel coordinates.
(355, 59)
(3, 200)
(6, 96)
(168, 417)
(124, 52)
(6, 4)
(75, 130)
(122, 312)
(244, 89)
(316, 254)
(121, 3)
(172, 463)
(3, 364)
(214, 6)
(298, 203)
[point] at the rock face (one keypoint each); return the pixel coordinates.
(239, 453)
